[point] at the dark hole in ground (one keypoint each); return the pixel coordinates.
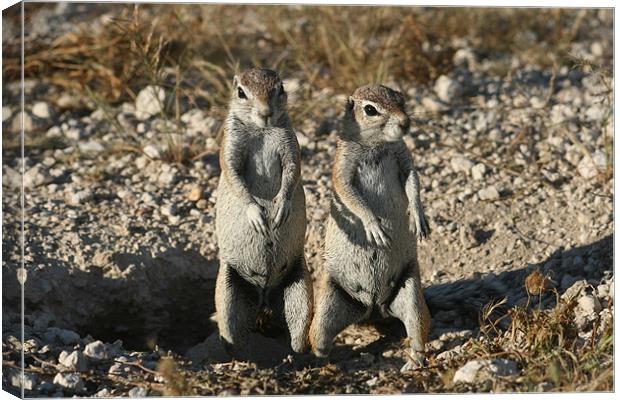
(483, 236)
(181, 321)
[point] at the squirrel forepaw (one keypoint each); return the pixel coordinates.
(257, 219)
(283, 211)
(420, 224)
(376, 235)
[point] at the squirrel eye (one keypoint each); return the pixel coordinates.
(241, 93)
(280, 89)
(370, 110)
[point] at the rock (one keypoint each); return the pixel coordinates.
(147, 198)
(74, 361)
(167, 177)
(97, 350)
(41, 110)
(63, 336)
(488, 193)
(150, 101)
(478, 370)
(590, 167)
(71, 381)
(196, 193)
(466, 236)
(138, 392)
(210, 350)
(211, 144)
(31, 346)
(68, 337)
(75, 133)
(544, 386)
(49, 161)
(115, 369)
(478, 171)
(152, 151)
(202, 204)
(11, 178)
(588, 305)
(16, 124)
(199, 123)
(561, 113)
(54, 131)
(91, 147)
(602, 291)
(372, 381)
(194, 117)
(448, 354)
(461, 164)
(80, 197)
(168, 210)
(448, 90)
(576, 289)
(464, 57)
(596, 112)
(303, 140)
(69, 101)
(37, 176)
(434, 105)
(29, 380)
(537, 102)
(7, 113)
(105, 392)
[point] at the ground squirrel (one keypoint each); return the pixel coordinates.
(376, 212)
(260, 216)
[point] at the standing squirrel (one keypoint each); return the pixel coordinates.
(376, 212)
(260, 218)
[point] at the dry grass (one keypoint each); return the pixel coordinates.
(194, 50)
(338, 47)
(545, 343)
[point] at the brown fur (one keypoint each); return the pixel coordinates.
(260, 81)
(389, 99)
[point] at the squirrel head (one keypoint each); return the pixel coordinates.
(376, 113)
(258, 97)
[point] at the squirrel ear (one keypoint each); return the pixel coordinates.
(350, 104)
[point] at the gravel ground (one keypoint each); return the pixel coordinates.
(121, 256)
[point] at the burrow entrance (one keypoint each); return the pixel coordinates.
(143, 301)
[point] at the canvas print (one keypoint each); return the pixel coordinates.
(227, 199)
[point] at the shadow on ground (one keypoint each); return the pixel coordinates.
(168, 299)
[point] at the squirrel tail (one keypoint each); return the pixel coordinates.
(461, 304)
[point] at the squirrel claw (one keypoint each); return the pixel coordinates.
(376, 235)
(256, 218)
(411, 366)
(420, 224)
(415, 362)
(284, 210)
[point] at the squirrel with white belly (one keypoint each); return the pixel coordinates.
(375, 219)
(260, 216)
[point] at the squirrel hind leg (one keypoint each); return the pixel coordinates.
(410, 307)
(236, 310)
(298, 305)
(335, 310)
